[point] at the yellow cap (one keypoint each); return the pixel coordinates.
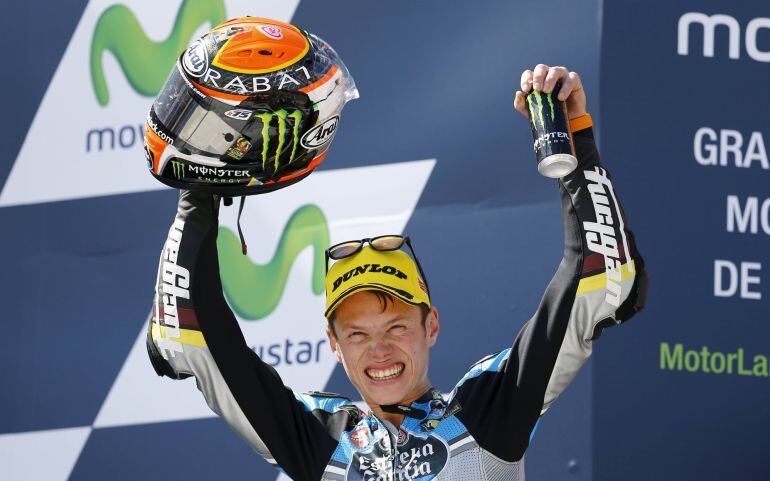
(393, 272)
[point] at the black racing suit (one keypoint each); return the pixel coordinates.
(479, 432)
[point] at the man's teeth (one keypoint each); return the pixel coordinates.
(381, 374)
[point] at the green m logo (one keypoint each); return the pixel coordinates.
(254, 290)
(536, 107)
(281, 116)
(179, 168)
(145, 63)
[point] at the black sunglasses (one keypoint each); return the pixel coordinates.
(380, 243)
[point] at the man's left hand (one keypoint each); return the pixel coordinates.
(544, 79)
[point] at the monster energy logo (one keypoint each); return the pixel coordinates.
(179, 168)
(536, 108)
(281, 115)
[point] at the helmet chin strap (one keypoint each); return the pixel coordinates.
(244, 248)
(228, 201)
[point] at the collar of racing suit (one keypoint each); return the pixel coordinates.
(417, 409)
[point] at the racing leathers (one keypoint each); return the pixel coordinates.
(478, 432)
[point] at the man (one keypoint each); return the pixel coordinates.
(381, 326)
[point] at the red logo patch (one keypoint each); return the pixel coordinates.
(272, 31)
(401, 437)
(360, 437)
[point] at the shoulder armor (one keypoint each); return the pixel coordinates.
(485, 358)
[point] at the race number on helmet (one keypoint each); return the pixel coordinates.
(250, 107)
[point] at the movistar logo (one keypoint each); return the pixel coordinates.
(178, 168)
(254, 290)
(536, 107)
(144, 62)
(281, 116)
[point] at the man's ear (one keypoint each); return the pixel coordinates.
(333, 343)
(432, 326)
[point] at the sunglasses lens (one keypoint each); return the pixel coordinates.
(387, 242)
(344, 250)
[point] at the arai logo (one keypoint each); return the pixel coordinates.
(196, 59)
(321, 133)
(239, 114)
(272, 31)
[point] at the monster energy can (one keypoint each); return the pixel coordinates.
(552, 139)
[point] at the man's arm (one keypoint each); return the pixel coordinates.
(194, 333)
(613, 280)
(600, 282)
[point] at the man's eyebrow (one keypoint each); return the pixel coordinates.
(356, 327)
(398, 318)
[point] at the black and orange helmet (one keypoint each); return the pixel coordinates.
(250, 107)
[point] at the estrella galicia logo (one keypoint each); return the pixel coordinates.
(320, 134)
(417, 458)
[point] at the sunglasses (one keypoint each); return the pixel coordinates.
(381, 243)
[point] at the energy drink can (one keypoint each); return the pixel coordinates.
(552, 139)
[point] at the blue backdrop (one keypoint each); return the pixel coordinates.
(652, 416)
(437, 82)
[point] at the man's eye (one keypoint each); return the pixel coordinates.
(356, 336)
(398, 328)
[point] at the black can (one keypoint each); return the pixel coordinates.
(552, 139)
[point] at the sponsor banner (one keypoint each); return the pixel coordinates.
(693, 172)
(116, 62)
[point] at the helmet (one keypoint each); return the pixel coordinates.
(250, 107)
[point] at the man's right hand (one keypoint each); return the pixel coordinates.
(544, 79)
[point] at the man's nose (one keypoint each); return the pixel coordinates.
(380, 348)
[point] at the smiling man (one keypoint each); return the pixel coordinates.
(381, 327)
(381, 323)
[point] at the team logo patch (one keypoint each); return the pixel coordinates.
(196, 59)
(272, 31)
(429, 424)
(601, 235)
(320, 134)
(240, 148)
(239, 114)
(418, 458)
(360, 437)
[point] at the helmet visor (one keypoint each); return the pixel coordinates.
(191, 120)
(252, 131)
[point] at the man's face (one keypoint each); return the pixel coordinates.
(385, 353)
